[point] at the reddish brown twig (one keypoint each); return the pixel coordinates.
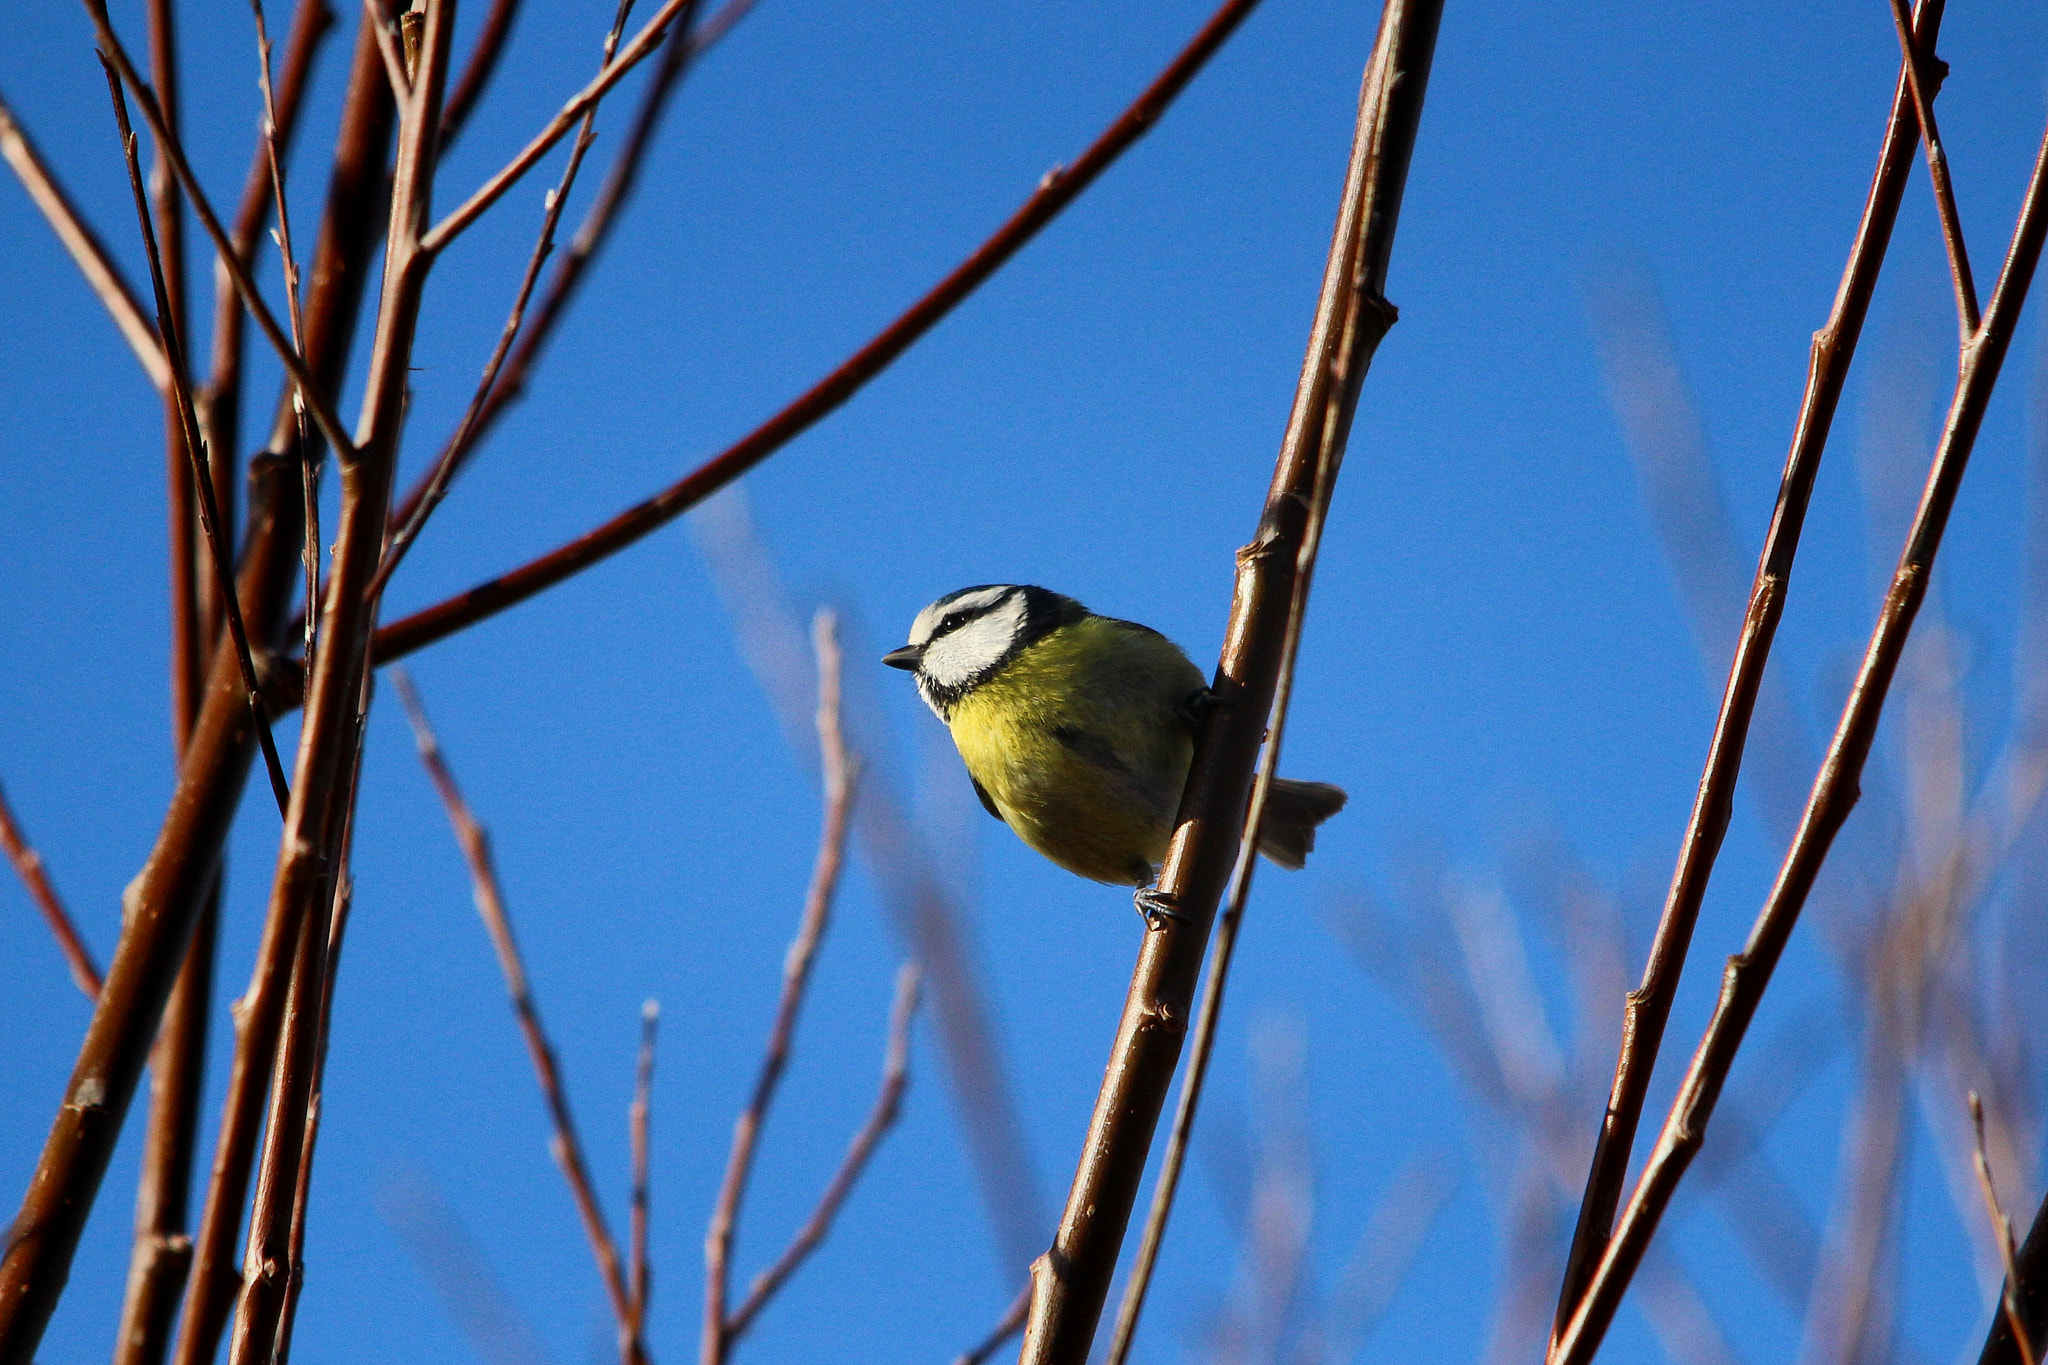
(1834, 793)
(638, 1120)
(2027, 1285)
(841, 772)
(245, 285)
(29, 865)
(888, 1104)
(1352, 315)
(220, 398)
(213, 532)
(1011, 1323)
(565, 1145)
(1648, 1007)
(1923, 73)
(581, 103)
(684, 46)
(1059, 188)
(436, 487)
(2001, 1230)
(85, 248)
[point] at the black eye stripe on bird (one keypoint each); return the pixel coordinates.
(1077, 731)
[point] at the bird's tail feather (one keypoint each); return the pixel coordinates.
(1293, 810)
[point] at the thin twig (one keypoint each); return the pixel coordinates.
(565, 1145)
(1834, 793)
(1058, 188)
(29, 865)
(195, 451)
(1923, 75)
(638, 1120)
(478, 70)
(85, 248)
(386, 31)
(117, 57)
(1352, 315)
(888, 1104)
(583, 101)
(1648, 1007)
(409, 525)
(2001, 1229)
(841, 772)
(1011, 1323)
(678, 55)
(289, 262)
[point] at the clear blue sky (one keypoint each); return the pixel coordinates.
(1495, 651)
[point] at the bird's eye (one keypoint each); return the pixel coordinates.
(953, 621)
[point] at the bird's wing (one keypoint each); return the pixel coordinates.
(987, 802)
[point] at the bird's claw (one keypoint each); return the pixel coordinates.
(1158, 907)
(1196, 706)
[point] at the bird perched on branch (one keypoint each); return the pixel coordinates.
(1077, 731)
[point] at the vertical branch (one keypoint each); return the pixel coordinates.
(841, 771)
(566, 1146)
(1352, 315)
(637, 1125)
(1834, 793)
(29, 865)
(1648, 1007)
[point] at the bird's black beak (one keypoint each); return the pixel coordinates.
(906, 657)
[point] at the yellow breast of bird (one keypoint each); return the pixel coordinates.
(1079, 745)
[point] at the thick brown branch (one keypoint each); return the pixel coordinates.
(1834, 794)
(840, 772)
(28, 864)
(1059, 188)
(888, 1104)
(566, 1146)
(160, 908)
(1352, 315)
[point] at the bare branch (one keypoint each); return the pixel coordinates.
(408, 526)
(1924, 72)
(888, 1104)
(85, 247)
(209, 515)
(2001, 1229)
(478, 70)
(566, 1146)
(1352, 315)
(1834, 793)
(841, 772)
(28, 864)
(637, 1123)
(1059, 188)
(117, 57)
(1648, 1008)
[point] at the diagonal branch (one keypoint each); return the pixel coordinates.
(888, 1104)
(29, 864)
(1923, 74)
(1058, 189)
(1352, 315)
(1834, 794)
(85, 247)
(245, 285)
(415, 516)
(841, 772)
(566, 1146)
(637, 1124)
(1648, 1007)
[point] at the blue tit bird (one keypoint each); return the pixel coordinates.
(1077, 731)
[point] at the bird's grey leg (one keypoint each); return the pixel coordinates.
(1158, 907)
